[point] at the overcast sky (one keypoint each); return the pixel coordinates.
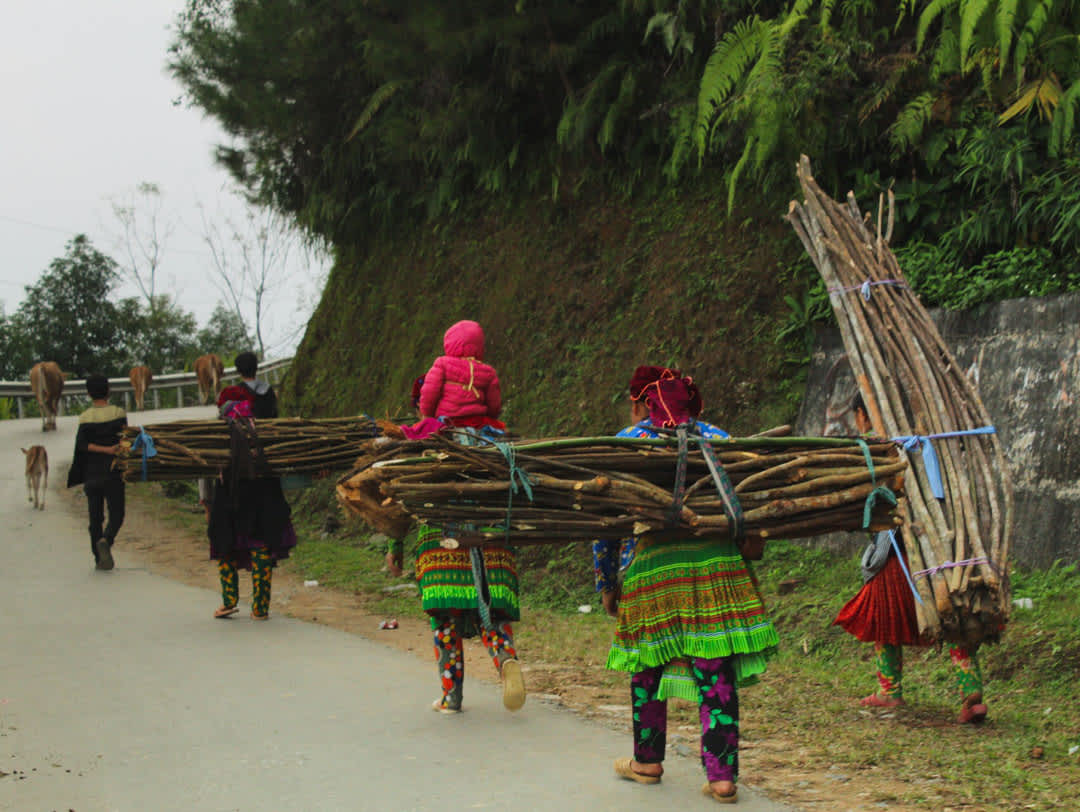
(88, 114)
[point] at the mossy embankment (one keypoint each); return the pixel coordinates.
(572, 296)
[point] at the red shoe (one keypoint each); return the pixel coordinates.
(973, 711)
(878, 701)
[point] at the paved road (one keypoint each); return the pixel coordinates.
(117, 692)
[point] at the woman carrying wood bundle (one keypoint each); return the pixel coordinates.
(690, 619)
(464, 592)
(883, 612)
(250, 525)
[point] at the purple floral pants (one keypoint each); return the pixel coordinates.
(718, 705)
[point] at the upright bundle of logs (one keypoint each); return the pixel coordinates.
(193, 449)
(582, 488)
(957, 545)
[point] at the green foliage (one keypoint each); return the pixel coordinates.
(224, 334)
(160, 336)
(67, 316)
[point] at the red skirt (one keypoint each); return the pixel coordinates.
(884, 609)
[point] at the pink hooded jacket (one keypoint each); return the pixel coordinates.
(460, 384)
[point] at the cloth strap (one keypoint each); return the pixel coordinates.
(678, 492)
(732, 506)
(864, 288)
(930, 459)
(144, 443)
(879, 491)
(903, 566)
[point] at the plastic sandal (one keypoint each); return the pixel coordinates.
(226, 611)
(513, 685)
(624, 768)
(716, 796)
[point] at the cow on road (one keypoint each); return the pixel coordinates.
(209, 370)
(47, 383)
(140, 378)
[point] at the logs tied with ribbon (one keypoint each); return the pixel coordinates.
(582, 488)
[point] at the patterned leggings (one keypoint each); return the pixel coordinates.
(450, 653)
(718, 707)
(889, 660)
(261, 572)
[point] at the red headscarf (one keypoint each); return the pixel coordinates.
(672, 399)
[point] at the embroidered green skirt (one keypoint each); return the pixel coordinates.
(446, 580)
(693, 598)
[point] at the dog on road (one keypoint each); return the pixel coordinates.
(37, 474)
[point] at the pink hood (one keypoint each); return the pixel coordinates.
(465, 340)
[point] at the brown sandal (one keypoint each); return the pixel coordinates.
(716, 796)
(624, 767)
(226, 611)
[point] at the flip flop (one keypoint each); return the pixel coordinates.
(226, 611)
(259, 617)
(716, 796)
(513, 685)
(876, 701)
(439, 707)
(624, 769)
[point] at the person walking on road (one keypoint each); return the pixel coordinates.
(690, 621)
(96, 444)
(250, 520)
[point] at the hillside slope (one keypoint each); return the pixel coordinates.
(572, 297)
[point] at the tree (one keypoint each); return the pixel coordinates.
(224, 333)
(162, 337)
(145, 230)
(250, 258)
(15, 355)
(67, 316)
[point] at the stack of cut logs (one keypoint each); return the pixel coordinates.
(912, 385)
(192, 449)
(582, 488)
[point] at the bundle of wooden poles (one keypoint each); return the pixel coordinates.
(958, 545)
(192, 449)
(581, 488)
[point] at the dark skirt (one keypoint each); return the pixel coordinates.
(248, 514)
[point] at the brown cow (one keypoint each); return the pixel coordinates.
(37, 474)
(47, 383)
(209, 370)
(140, 378)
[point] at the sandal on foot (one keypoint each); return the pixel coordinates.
(439, 707)
(259, 617)
(624, 768)
(716, 796)
(513, 685)
(973, 711)
(878, 701)
(226, 611)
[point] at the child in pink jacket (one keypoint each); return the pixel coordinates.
(460, 386)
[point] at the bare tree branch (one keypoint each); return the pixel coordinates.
(145, 231)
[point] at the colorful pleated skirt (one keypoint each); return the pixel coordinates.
(446, 580)
(686, 599)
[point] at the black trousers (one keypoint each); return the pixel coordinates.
(109, 493)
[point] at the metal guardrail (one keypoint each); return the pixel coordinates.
(76, 388)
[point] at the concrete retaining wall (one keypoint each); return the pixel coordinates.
(1024, 355)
